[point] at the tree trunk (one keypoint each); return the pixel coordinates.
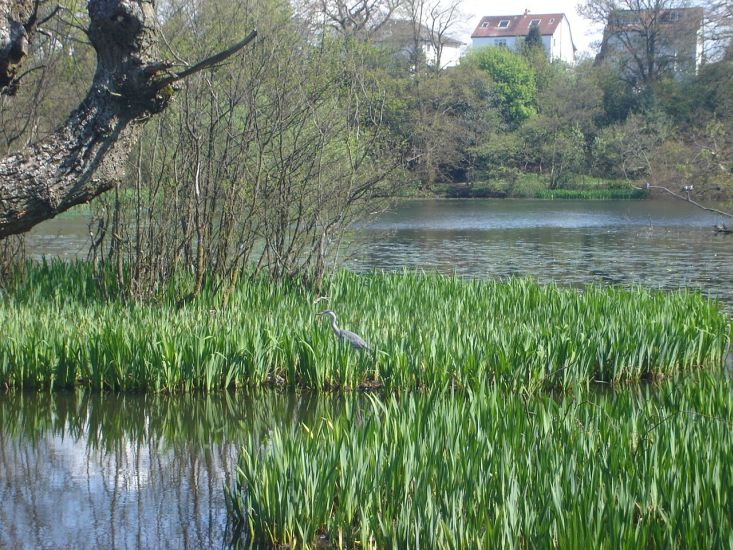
(87, 155)
(17, 20)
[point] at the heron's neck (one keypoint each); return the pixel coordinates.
(333, 325)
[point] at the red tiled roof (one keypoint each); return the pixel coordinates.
(518, 25)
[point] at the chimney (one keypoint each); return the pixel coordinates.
(526, 11)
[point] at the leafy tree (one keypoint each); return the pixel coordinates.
(557, 138)
(534, 38)
(500, 154)
(619, 97)
(711, 91)
(513, 82)
(556, 150)
(625, 150)
(443, 123)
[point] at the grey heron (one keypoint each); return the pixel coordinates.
(353, 339)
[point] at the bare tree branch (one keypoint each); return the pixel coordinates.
(209, 61)
(686, 197)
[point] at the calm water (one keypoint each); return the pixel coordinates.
(667, 244)
(91, 471)
(655, 243)
(79, 470)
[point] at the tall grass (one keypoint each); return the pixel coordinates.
(535, 186)
(429, 331)
(591, 194)
(488, 469)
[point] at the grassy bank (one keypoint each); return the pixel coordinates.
(490, 469)
(533, 186)
(429, 331)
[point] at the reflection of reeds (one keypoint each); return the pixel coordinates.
(109, 422)
(489, 469)
(429, 331)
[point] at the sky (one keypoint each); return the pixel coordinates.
(584, 32)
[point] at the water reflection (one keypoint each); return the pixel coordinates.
(103, 471)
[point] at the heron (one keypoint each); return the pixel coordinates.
(353, 339)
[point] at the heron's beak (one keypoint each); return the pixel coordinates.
(319, 299)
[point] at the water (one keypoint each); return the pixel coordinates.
(64, 237)
(133, 471)
(660, 244)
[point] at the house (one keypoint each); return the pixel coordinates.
(398, 35)
(648, 43)
(511, 30)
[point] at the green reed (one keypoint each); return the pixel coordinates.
(486, 468)
(429, 331)
(591, 194)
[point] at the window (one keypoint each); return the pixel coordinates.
(552, 20)
(484, 25)
(672, 16)
(500, 42)
(503, 24)
(535, 23)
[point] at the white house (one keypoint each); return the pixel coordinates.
(399, 35)
(510, 31)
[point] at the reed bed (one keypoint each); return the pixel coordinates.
(429, 331)
(487, 469)
(591, 194)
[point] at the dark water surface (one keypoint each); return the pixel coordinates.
(661, 244)
(104, 471)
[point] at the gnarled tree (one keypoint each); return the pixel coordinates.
(86, 155)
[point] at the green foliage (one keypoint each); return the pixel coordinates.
(514, 81)
(625, 150)
(558, 150)
(500, 154)
(534, 186)
(554, 142)
(491, 468)
(60, 331)
(619, 98)
(534, 38)
(590, 194)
